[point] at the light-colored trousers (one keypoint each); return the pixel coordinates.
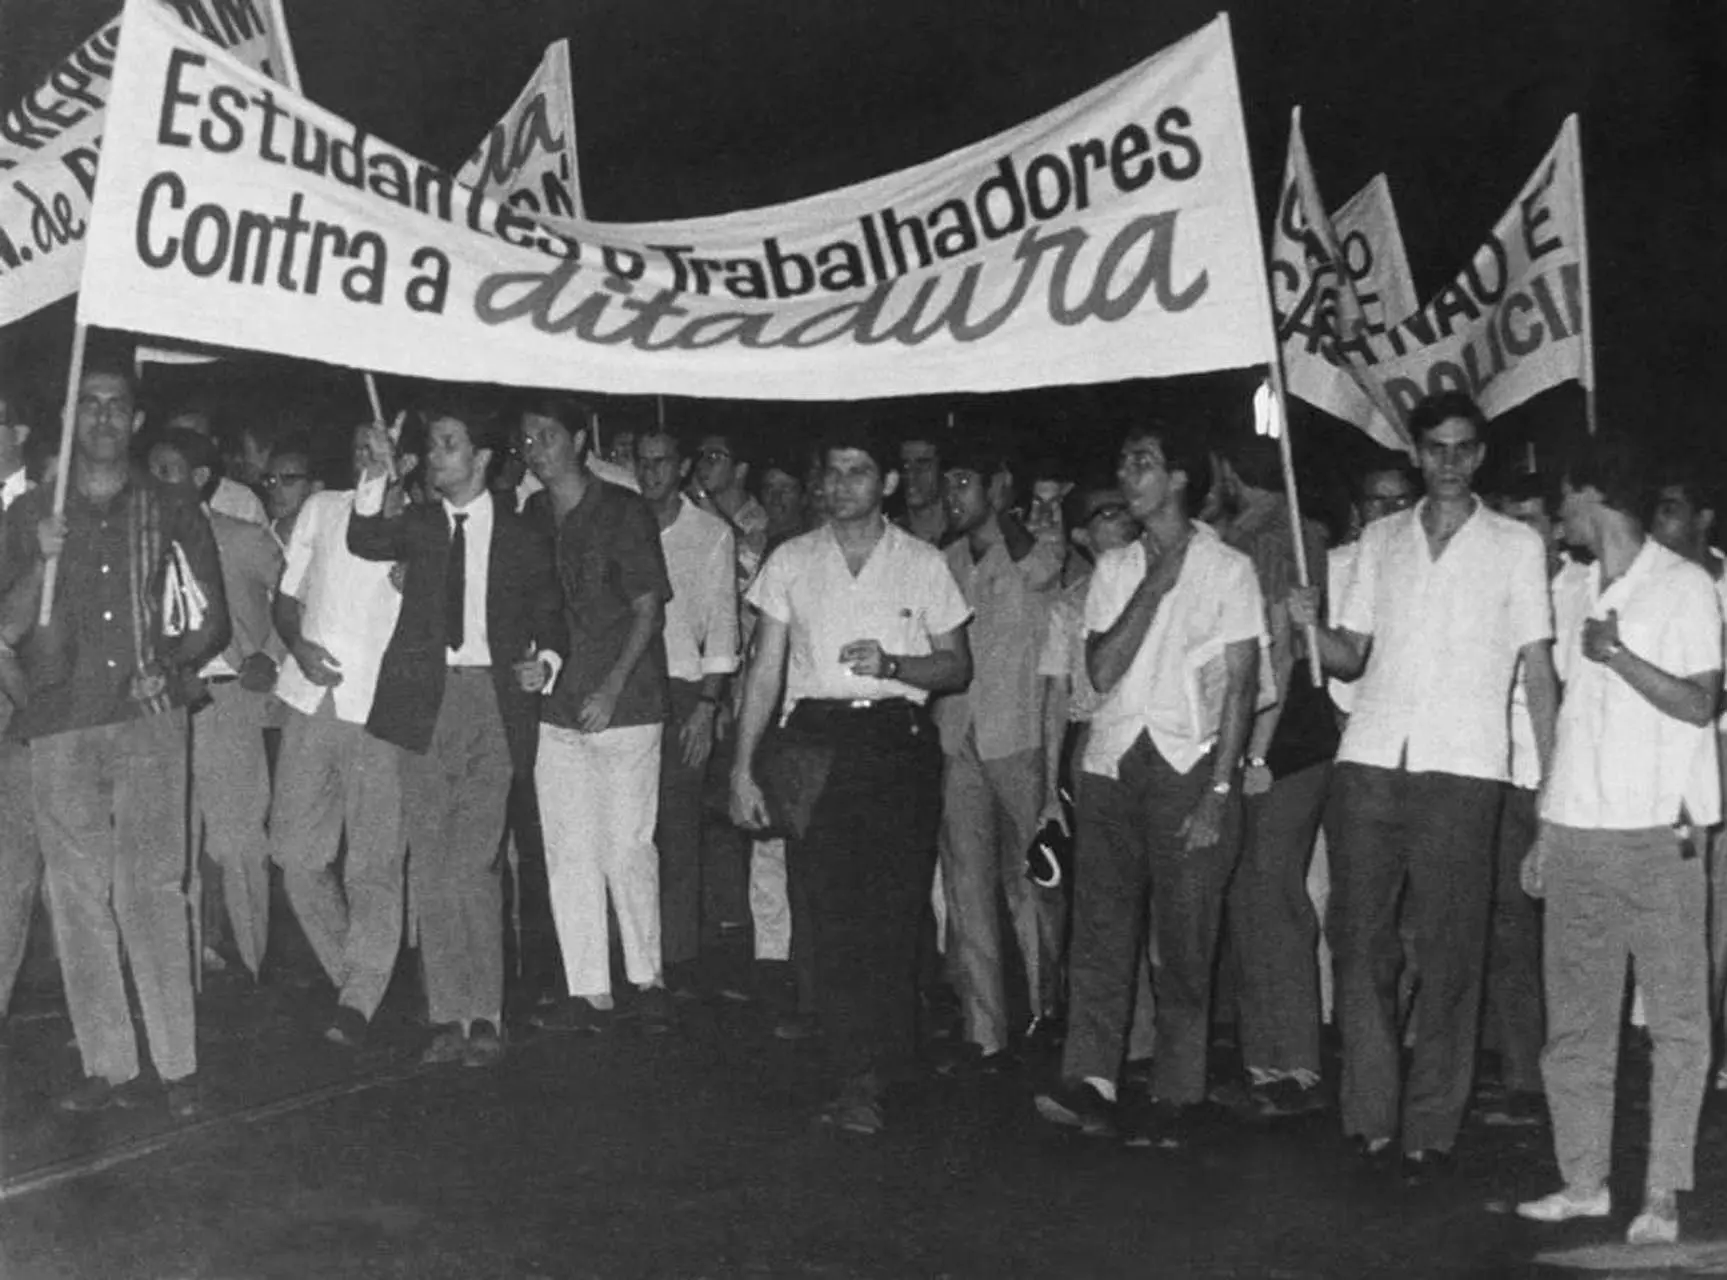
(599, 798)
(989, 815)
(333, 773)
(111, 813)
(231, 799)
(770, 908)
(454, 801)
(20, 864)
(1613, 897)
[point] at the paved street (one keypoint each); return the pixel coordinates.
(694, 1156)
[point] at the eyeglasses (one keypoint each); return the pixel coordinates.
(715, 455)
(1108, 511)
(280, 478)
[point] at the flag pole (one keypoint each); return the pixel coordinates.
(63, 472)
(1589, 417)
(372, 395)
(1275, 365)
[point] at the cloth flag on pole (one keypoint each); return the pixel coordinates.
(529, 157)
(52, 137)
(1112, 237)
(1371, 239)
(1318, 295)
(1513, 323)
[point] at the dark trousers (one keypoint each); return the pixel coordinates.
(1273, 931)
(861, 872)
(1128, 848)
(678, 834)
(1433, 831)
(1513, 1023)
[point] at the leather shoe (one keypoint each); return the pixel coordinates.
(1427, 1165)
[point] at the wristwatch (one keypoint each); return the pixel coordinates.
(1222, 788)
(1256, 762)
(889, 667)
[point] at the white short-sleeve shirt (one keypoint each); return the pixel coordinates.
(347, 605)
(1174, 687)
(1619, 764)
(903, 595)
(1436, 694)
(701, 629)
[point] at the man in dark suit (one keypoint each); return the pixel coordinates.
(479, 637)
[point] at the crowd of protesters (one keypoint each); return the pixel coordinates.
(1055, 742)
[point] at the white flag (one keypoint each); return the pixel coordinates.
(529, 157)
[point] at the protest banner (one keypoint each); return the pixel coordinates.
(1319, 287)
(1113, 237)
(529, 157)
(1513, 323)
(51, 138)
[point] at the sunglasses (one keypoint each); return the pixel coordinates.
(286, 477)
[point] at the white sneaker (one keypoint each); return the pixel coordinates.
(1652, 1227)
(1564, 1205)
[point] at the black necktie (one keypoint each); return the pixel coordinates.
(456, 585)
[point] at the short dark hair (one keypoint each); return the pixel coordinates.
(736, 445)
(1073, 506)
(1613, 465)
(294, 445)
(1531, 486)
(477, 414)
(857, 433)
(1256, 459)
(1442, 406)
(677, 438)
(980, 453)
(568, 412)
(198, 451)
(1694, 488)
(113, 369)
(1386, 464)
(1183, 450)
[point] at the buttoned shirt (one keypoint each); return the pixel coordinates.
(1570, 604)
(901, 597)
(347, 605)
(1339, 573)
(1620, 764)
(108, 608)
(702, 615)
(1063, 653)
(476, 650)
(1174, 688)
(608, 551)
(1436, 693)
(1009, 605)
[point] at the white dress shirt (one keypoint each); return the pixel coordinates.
(1570, 604)
(1436, 694)
(1174, 687)
(1339, 573)
(1619, 764)
(903, 595)
(476, 650)
(701, 628)
(347, 605)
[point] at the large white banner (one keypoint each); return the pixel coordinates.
(51, 139)
(1513, 323)
(1112, 237)
(529, 157)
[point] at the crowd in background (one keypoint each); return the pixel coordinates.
(946, 730)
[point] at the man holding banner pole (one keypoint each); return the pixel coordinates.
(143, 608)
(1445, 600)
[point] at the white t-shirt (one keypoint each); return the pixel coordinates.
(701, 629)
(1174, 687)
(903, 596)
(347, 605)
(1619, 764)
(1436, 693)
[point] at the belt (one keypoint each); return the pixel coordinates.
(857, 706)
(468, 669)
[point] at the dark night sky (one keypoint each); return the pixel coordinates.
(693, 108)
